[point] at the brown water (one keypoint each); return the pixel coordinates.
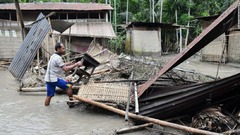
(25, 113)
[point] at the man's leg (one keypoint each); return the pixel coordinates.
(65, 86)
(69, 92)
(50, 92)
(47, 100)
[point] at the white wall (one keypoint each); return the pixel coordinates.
(10, 42)
(143, 41)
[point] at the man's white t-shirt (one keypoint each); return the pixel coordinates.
(54, 69)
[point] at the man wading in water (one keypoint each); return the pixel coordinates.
(55, 69)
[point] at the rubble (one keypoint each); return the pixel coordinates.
(114, 73)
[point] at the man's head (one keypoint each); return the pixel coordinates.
(60, 48)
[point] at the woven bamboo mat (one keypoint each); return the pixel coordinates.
(108, 92)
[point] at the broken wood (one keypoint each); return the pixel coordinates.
(116, 81)
(133, 128)
(43, 89)
(161, 131)
(214, 120)
(148, 119)
(101, 71)
(232, 132)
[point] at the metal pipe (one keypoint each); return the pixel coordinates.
(136, 99)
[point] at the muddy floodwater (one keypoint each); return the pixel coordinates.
(25, 114)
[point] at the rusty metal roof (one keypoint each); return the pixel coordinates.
(57, 6)
(176, 101)
(91, 29)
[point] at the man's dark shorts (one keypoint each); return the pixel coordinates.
(51, 86)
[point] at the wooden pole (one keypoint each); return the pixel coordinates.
(232, 132)
(38, 63)
(20, 17)
(148, 119)
(42, 89)
(129, 96)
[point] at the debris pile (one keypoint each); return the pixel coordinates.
(212, 119)
(111, 83)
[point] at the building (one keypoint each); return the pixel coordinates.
(224, 48)
(89, 23)
(146, 38)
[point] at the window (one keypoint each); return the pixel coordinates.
(14, 34)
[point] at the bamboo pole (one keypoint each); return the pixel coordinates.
(148, 119)
(129, 98)
(43, 89)
(231, 132)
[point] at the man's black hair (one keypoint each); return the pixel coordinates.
(58, 45)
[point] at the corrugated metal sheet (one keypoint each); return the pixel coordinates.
(57, 6)
(92, 29)
(60, 25)
(29, 48)
(176, 101)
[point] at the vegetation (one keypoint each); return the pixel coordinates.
(181, 12)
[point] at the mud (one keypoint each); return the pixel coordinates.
(25, 113)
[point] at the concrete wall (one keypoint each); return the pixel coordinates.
(213, 51)
(234, 47)
(145, 42)
(10, 39)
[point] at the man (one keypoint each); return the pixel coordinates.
(55, 69)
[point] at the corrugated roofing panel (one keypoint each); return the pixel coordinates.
(57, 6)
(60, 25)
(28, 50)
(176, 101)
(93, 29)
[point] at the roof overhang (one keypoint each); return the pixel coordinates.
(60, 25)
(91, 29)
(57, 6)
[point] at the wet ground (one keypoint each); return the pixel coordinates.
(213, 69)
(25, 113)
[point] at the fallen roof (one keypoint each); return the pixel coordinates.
(166, 102)
(57, 6)
(91, 29)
